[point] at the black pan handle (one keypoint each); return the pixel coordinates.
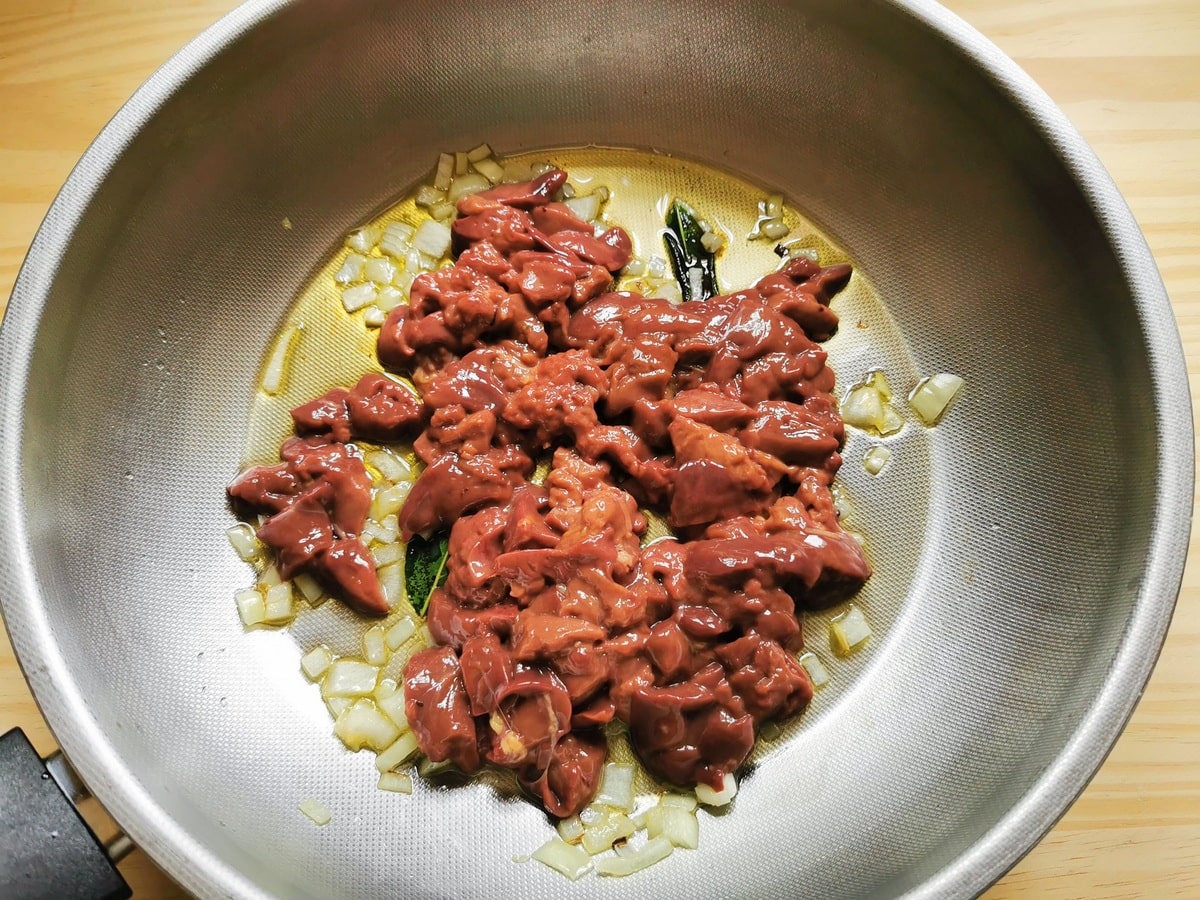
(47, 851)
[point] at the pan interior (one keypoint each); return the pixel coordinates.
(1009, 543)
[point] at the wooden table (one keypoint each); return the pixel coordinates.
(1127, 72)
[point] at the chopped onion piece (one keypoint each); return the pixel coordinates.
(654, 850)
(310, 589)
(250, 606)
(774, 229)
(393, 706)
(483, 151)
(879, 381)
(390, 466)
(600, 837)
(316, 662)
(678, 801)
(817, 673)
(848, 631)
(616, 787)
(397, 238)
(398, 752)
(351, 270)
(316, 811)
(362, 725)
(471, 183)
(355, 298)
(396, 782)
(443, 212)
(269, 576)
(669, 290)
(586, 207)
(863, 407)
(709, 797)
(374, 649)
(876, 458)
(892, 422)
(336, 705)
(679, 826)
(933, 395)
(385, 689)
(380, 270)
(460, 163)
(400, 632)
(388, 299)
(387, 554)
(564, 858)
(278, 606)
(489, 169)
(349, 678)
(244, 543)
(593, 815)
(656, 267)
(272, 380)
(445, 171)
(391, 579)
(570, 829)
(515, 172)
(773, 206)
(432, 239)
(712, 241)
(374, 317)
(363, 239)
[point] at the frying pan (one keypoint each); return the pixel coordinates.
(1028, 551)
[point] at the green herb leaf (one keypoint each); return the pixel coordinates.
(425, 568)
(695, 267)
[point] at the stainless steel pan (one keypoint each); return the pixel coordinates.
(1029, 551)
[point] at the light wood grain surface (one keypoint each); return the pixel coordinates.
(1127, 72)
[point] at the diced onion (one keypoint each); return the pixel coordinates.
(272, 381)
(400, 632)
(712, 241)
(389, 298)
(863, 407)
(391, 579)
(876, 458)
(355, 298)
(385, 688)
(678, 801)
(471, 183)
(269, 577)
(310, 589)
(250, 607)
(245, 544)
(316, 811)
(390, 466)
(336, 705)
(709, 797)
(380, 270)
(351, 270)
(564, 858)
(461, 163)
(656, 267)
(593, 814)
(374, 649)
(398, 752)
(586, 207)
(443, 212)
(387, 554)
(848, 631)
(773, 206)
(679, 826)
(362, 725)
(397, 239)
(393, 707)
(483, 151)
(489, 169)
(445, 171)
(635, 267)
(373, 316)
(432, 239)
(774, 229)
(278, 606)
(349, 678)
(396, 782)
(515, 172)
(616, 787)
(817, 673)
(933, 395)
(316, 662)
(363, 239)
(570, 829)
(601, 836)
(654, 850)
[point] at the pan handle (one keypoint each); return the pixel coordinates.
(47, 850)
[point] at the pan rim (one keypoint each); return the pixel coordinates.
(1011, 837)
